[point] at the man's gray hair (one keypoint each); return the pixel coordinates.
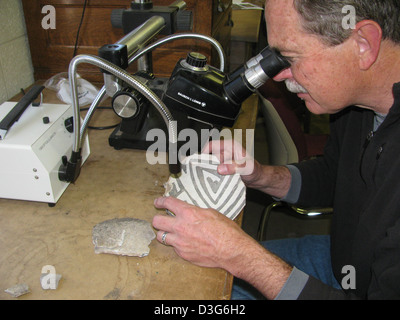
(324, 17)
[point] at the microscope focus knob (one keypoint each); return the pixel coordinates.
(127, 103)
(196, 60)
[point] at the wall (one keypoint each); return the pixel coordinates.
(16, 69)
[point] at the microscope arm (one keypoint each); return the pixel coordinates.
(178, 36)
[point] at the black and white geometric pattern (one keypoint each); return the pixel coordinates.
(200, 184)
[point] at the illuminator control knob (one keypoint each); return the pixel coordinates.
(196, 60)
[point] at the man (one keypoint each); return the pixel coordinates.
(351, 74)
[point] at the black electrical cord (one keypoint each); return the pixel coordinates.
(75, 50)
(79, 29)
(101, 128)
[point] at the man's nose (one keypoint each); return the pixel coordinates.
(283, 75)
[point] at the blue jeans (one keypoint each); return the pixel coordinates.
(310, 254)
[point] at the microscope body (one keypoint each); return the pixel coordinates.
(197, 95)
(196, 98)
(197, 90)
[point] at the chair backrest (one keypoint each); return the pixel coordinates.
(281, 147)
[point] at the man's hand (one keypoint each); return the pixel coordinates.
(233, 158)
(204, 237)
(209, 239)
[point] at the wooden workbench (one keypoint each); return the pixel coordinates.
(112, 184)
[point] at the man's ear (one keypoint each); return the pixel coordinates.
(368, 36)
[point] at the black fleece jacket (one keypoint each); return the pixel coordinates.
(359, 175)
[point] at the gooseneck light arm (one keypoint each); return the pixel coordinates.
(69, 171)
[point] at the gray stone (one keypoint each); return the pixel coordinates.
(18, 290)
(125, 236)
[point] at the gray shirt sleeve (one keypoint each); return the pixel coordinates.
(294, 191)
(293, 285)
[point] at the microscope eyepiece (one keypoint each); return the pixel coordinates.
(273, 63)
(245, 80)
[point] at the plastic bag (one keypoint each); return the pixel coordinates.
(60, 83)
